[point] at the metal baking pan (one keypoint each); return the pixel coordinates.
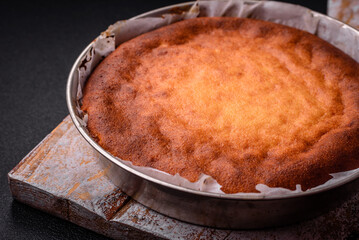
(210, 209)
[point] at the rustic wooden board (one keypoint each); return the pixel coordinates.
(346, 11)
(62, 176)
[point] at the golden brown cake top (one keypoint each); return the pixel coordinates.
(244, 101)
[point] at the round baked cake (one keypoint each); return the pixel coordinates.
(244, 101)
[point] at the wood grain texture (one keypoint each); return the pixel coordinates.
(61, 176)
(50, 178)
(346, 11)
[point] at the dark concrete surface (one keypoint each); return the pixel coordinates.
(39, 43)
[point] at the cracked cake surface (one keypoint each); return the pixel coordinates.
(244, 101)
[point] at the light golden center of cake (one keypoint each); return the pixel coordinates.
(241, 100)
(255, 97)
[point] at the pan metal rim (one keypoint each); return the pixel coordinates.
(71, 104)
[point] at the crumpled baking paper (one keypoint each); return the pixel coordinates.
(335, 32)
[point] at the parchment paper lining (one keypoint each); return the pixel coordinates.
(338, 34)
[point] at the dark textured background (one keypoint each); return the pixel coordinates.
(39, 43)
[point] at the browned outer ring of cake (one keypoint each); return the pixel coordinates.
(109, 122)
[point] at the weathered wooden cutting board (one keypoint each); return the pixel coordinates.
(61, 176)
(346, 11)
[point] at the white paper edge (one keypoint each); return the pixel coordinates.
(338, 34)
